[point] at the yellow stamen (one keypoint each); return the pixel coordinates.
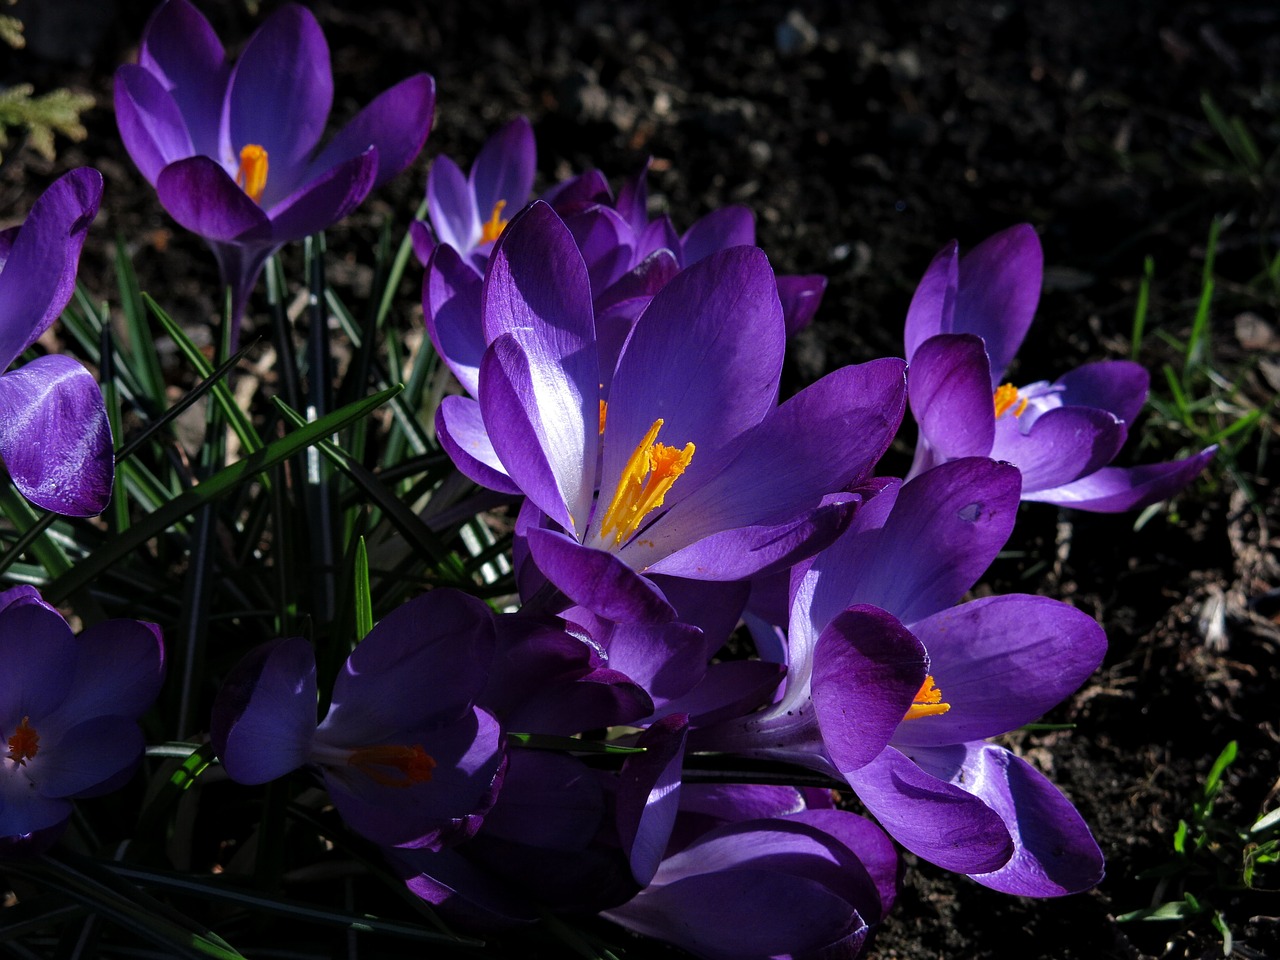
(393, 766)
(651, 470)
(24, 744)
(1007, 396)
(604, 410)
(494, 226)
(927, 702)
(252, 176)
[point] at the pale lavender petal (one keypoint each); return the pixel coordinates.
(949, 386)
(56, 440)
(1117, 386)
(451, 205)
(931, 817)
(1001, 662)
(264, 717)
(451, 308)
(504, 169)
(279, 96)
(999, 290)
(732, 226)
(1116, 489)
(933, 306)
(324, 201)
(649, 795)
(151, 124)
(74, 761)
(461, 431)
(597, 580)
(801, 295)
(40, 268)
(181, 50)
(1054, 853)
(36, 644)
(1063, 444)
(396, 123)
(204, 199)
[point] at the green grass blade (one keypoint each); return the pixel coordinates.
(364, 599)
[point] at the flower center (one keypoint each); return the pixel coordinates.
(393, 766)
(1006, 397)
(927, 702)
(24, 744)
(648, 475)
(493, 227)
(252, 175)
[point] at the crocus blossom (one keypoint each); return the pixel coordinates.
(407, 756)
(233, 148)
(69, 709)
(965, 324)
(678, 462)
(55, 439)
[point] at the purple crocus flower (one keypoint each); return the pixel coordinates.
(55, 440)
(966, 321)
(232, 149)
(407, 756)
(69, 707)
(677, 462)
(894, 689)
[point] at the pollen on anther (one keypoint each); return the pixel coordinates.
(1006, 398)
(252, 175)
(25, 743)
(927, 702)
(492, 228)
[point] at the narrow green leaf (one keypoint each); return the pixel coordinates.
(545, 741)
(1225, 759)
(24, 518)
(1140, 309)
(364, 600)
(1166, 911)
(142, 344)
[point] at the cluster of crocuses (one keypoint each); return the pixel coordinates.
(621, 385)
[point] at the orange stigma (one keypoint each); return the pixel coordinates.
(604, 412)
(24, 744)
(650, 472)
(252, 176)
(393, 766)
(927, 702)
(493, 227)
(1006, 397)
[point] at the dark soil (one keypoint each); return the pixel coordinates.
(864, 136)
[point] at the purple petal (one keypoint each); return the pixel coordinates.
(603, 237)
(547, 800)
(597, 580)
(451, 308)
(118, 670)
(151, 124)
(264, 717)
(40, 267)
(634, 289)
(181, 50)
(649, 794)
(279, 96)
(999, 290)
(867, 667)
(1116, 489)
(932, 818)
(732, 226)
(874, 850)
(583, 190)
(24, 811)
(424, 243)
(1001, 662)
(727, 690)
(801, 295)
(949, 386)
(36, 646)
(74, 761)
(1063, 444)
(56, 442)
(666, 659)
(933, 306)
(204, 199)
(1054, 853)
(633, 199)
(504, 169)
(447, 880)
(396, 123)
(452, 205)
(1117, 386)
(461, 431)
(324, 201)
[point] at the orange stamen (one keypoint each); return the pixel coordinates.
(927, 702)
(650, 472)
(252, 176)
(1007, 396)
(604, 411)
(24, 744)
(393, 766)
(493, 227)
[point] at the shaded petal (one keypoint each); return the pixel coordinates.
(999, 290)
(424, 243)
(730, 689)
(1117, 386)
(449, 881)
(1116, 489)
(666, 659)
(949, 386)
(874, 850)
(649, 795)
(73, 761)
(118, 670)
(461, 431)
(547, 800)
(182, 51)
(451, 308)
(603, 238)
(56, 440)
(505, 167)
(151, 124)
(204, 199)
(324, 201)
(36, 646)
(801, 295)
(933, 305)
(597, 580)
(396, 123)
(40, 267)
(279, 95)
(867, 667)
(24, 811)
(732, 226)
(932, 818)
(264, 717)
(451, 205)
(1062, 445)
(1054, 853)
(570, 196)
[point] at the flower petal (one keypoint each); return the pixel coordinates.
(597, 580)
(1116, 489)
(396, 122)
(1063, 444)
(204, 199)
(999, 290)
(801, 295)
(949, 386)
(324, 201)
(56, 441)
(461, 431)
(451, 308)
(35, 645)
(119, 669)
(504, 169)
(151, 123)
(180, 49)
(731, 226)
(649, 795)
(1117, 386)
(74, 761)
(933, 305)
(451, 204)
